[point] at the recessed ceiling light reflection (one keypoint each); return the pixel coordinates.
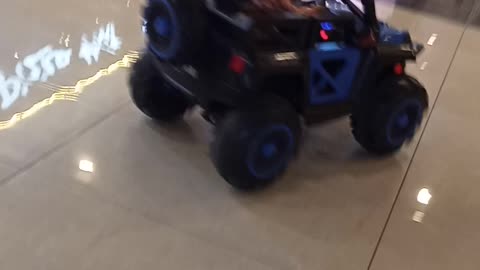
(86, 165)
(424, 66)
(418, 216)
(432, 39)
(424, 196)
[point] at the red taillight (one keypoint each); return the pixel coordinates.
(398, 69)
(237, 64)
(324, 35)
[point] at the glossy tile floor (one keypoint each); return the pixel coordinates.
(154, 201)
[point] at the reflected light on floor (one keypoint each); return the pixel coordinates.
(418, 216)
(70, 93)
(86, 165)
(424, 196)
(432, 39)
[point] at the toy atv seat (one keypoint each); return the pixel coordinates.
(189, 32)
(256, 74)
(179, 31)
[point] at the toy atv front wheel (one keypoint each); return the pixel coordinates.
(153, 95)
(384, 121)
(254, 147)
(176, 29)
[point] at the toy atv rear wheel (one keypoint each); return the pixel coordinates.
(254, 146)
(384, 121)
(175, 29)
(153, 95)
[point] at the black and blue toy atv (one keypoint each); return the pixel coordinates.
(258, 75)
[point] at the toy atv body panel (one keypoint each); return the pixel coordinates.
(255, 74)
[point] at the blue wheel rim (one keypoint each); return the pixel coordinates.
(163, 29)
(270, 151)
(403, 122)
(162, 26)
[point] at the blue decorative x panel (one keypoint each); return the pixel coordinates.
(332, 74)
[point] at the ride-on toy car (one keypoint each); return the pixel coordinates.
(260, 76)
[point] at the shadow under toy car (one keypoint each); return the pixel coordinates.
(258, 75)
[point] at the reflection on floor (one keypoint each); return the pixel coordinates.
(70, 93)
(46, 62)
(93, 184)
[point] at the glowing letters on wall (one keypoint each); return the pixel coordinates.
(44, 63)
(104, 40)
(35, 67)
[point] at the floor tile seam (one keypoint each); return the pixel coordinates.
(412, 159)
(8, 166)
(70, 139)
(114, 202)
